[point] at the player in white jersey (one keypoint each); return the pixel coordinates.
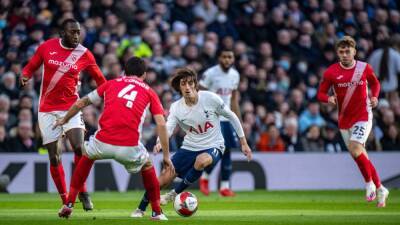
(197, 113)
(223, 80)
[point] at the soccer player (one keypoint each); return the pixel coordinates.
(349, 79)
(223, 80)
(63, 59)
(197, 114)
(126, 100)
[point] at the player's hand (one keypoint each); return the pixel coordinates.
(168, 166)
(23, 81)
(332, 100)
(59, 122)
(157, 148)
(373, 102)
(247, 151)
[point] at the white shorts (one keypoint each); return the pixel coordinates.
(359, 132)
(132, 157)
(47, 120)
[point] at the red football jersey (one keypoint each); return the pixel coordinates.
(126, 100)
(61, 70)
(351, 90)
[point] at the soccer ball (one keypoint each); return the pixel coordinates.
(185, 204)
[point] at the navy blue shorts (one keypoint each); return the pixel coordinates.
(183, 159)
(230, 136)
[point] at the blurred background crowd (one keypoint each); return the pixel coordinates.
(282, 49)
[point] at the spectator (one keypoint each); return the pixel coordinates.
(291, 135)
(312, 141)
(333, 142)
(3, 139)
(23, 141)
(311, 116)
(271, 141)
(391, 139)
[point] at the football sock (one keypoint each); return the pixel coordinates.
(58, 175)
(226, 165)
(224, 185)
(190, 178)
(205, 175)
(76, 161)
(152, 187)
(79, 176)
(144, 202)
(375, 176)
(364, 166)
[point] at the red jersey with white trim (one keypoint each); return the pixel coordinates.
(351, 90)
(61, 68)
(126, 100)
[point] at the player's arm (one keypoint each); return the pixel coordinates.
(323, 90)
(94, 70)
(33, 64)
(235, 103)
(75, 108)
(234, 120)
(205, 81)
(374, 85)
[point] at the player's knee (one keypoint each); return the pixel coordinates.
(202, 162)
(55, 159)
(78, 148)
(355, 148)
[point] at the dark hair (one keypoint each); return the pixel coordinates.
(346, 41)
(67, 21)
(135, 66)
(183, 73)
(222, 50)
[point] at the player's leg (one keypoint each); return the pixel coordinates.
(57, 170)
(76, 139)
(231, 142)
(50, 141)
(164, 180)
(193, 171)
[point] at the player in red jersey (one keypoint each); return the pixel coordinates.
(62, 59)
(126, 100)
(350, 79)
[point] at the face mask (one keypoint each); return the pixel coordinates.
(302, 67)
(104, 40)
(221, 18)
(136, 40)
(284, 64)
(3, 24)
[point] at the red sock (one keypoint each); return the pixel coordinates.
(58, 175)
(76, 161)
(152, 187)
(375, 176)
(81, 172)
(364, 166)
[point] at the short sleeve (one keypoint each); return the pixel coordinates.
(206, 79)
(236, 80)
(155, 104)
(98, 94)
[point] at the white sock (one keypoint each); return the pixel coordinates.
(204, 175)
(224, 185)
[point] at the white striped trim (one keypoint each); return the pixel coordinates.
(358, 72)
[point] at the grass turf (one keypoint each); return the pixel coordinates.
(258, 207)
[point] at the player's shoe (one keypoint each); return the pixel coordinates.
(87, 203)
(382, 194)
(226, 192)
(158, 217)
(138, 213)
(204, 186)
(370, 191)
(167, 197)
(65, 211)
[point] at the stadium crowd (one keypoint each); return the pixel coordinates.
(282, 49)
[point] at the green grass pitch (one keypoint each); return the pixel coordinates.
(250, 208)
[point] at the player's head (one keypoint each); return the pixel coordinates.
(346, 50)
(70, 33)
(226, 58)
(185, 82)
(135, 66)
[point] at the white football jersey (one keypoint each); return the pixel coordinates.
(221, 82)
(201, 121)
